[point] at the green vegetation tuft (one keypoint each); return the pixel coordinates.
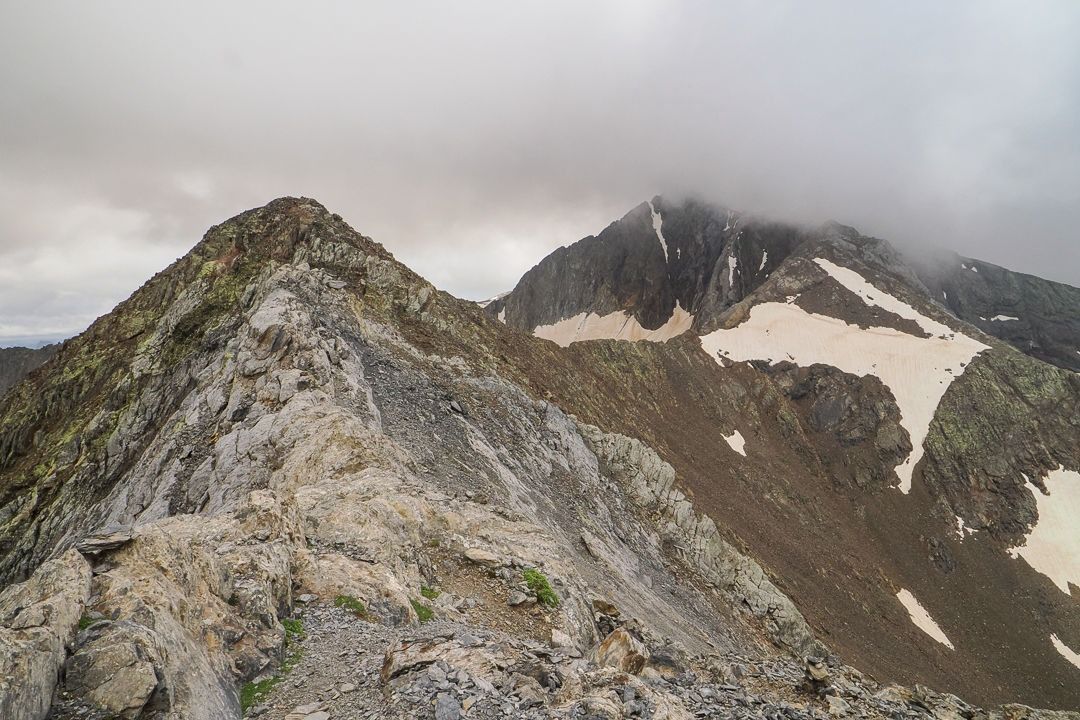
(294, 629)
(86, 621)
(253, 692)
(429, 592)
(422, 611)
(353, 605)
(539, 585)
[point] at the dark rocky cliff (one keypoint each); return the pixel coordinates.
(1041, 317)
(17, 362)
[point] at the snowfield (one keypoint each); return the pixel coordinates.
(1053, 545)
(921, 618)
(614, 326)
(918, 370)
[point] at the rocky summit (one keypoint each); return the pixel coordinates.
(701, 465)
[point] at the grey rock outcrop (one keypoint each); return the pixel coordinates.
(650, 483)
(38, 620)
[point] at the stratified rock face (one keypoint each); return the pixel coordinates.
(658, 260)
(17, 362)
(289, 423)
(1041, 317)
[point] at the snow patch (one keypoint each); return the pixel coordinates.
(974, 269)
(737, 442)
(921, 618)
(1000, 318)
(485, 303)
(1066, 651)
(614, 326)
(764, 259)
(917, 370)
(732, 264)
(962, 529)
(727, 227)
(1053, 545)
(502, 316)
(658, 225)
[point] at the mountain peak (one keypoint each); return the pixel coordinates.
(287, 426)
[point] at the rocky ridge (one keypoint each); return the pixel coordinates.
(287, 461)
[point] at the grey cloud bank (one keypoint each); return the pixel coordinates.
(473, 138)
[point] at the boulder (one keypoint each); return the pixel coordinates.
(623, 651)
(38, 619)
(104, 540)
(483, 557)
(114, 668)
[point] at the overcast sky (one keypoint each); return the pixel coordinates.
(473, 138)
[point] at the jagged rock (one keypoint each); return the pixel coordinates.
(114, 668)
(483, 557)
(622, 650)
(559, 639)
(838, 707)
(38, 619)
(447, 707)
(105, 540)
(817, 671)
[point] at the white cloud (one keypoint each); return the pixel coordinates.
(471, 139)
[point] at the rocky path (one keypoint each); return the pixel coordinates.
(347, 668)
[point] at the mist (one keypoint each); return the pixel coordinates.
(471, 139)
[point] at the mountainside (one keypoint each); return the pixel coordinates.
(289, 475)
(676, 265)
(1040, 317)
(892, 393)
(17, 362)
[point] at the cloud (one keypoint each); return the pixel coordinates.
(473, 138)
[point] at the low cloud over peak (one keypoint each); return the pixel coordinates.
(471, 139)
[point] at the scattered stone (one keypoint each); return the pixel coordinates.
(838, 706)
(483, 557)
(104, 540)
(305, 710)
(559, 639)
(447, 707)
